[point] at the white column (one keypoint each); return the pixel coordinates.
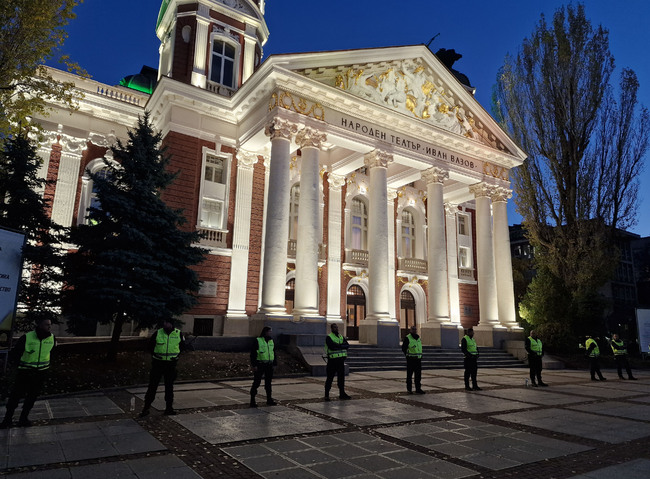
(277, 217)
(487, 285)
(308, 239)
(240, 238)
(503, 259)
(391, 194)
(67, 180)
(336, 183)
(452, 262)
(377, 162)
(199, 77)
(437, 263)
(249, 52)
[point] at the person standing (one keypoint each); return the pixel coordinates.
(32, 352)
(593, 353)
(336, 347)
(166, 345)
(535, 352)
(620, 355)
(412, 349)
(262, 362)
(470, 351)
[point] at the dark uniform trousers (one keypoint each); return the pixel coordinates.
(413, 368)
(264, 370)
(160, 369)
(535, 366)
(335, 367)
(29, 383)
(471, 368)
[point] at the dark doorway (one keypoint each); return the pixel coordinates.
(406, 312)
(356, 311)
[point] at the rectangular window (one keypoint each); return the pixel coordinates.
(211, 213)
(462, 225)
(463, 258)
(214, 170)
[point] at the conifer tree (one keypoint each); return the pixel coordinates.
(133, 259)
(23, 208)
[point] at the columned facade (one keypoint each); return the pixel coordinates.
(503, 258)
(334, 234)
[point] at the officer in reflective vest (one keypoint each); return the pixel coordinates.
(32, 353)
(470, 352)
(620, 355)
(412, 349)
(262, 362)
(336, 348)
(593, 353)
(535, 352)
(166, 345)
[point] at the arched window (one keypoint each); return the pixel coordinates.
(356, 311)
(88, 197)
(408, 234)
(407, 311)
(223, 67)
(293, 211)
(359, 227)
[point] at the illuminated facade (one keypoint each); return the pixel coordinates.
(366, 187)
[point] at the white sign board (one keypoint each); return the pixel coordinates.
(643, 326)
(11, 264)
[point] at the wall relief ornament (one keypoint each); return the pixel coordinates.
(286, 100)
(407, 87)
(495, 171)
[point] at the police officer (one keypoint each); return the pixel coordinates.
(336, 347)
(470, 351)
(166, 345)
(620, 355)
(412, 349)
(32, 351)
(593, 353)
(262, 362)
(535, 352)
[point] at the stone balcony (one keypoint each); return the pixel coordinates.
(213, 238)
(412, 265)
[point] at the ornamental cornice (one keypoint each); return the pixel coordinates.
(279, 128)
(286, 100)
(435, 175)
(336, 182)
(500, 194)
(310, 138)
(377, 159)
(246, 159)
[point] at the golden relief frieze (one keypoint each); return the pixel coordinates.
(286, 100)
(495, 171)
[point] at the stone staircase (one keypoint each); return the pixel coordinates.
(371, 358)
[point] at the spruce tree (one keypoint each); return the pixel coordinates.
(23, 208)
(134, 256)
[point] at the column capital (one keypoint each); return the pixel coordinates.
(336, 181)
(451, 209)
(378, 158)
(435, 175)
(500, 193)
(279, 128)
(391, 194)
(481, 190)
(246, 159)
(310, 138)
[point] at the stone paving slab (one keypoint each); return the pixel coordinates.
(372, 385)
(595, 389)
(538, 395)
(179, 387)
(617, 408)
(168, 466)
(73, 442)
(71, 407)
(218, 427)
(200, 398)
(468, 401)
(600, 428)
(369, 412)
(483, 444)
(637, 469)
(341, 455)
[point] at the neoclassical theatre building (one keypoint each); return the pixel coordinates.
(366, 187)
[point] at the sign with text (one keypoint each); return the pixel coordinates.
(11, 265)
(643, 326)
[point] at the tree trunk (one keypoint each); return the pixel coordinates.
(114, 345)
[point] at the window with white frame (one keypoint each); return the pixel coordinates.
(88, 197)
(223, 66)
(293, 211)
(464, 258)
(359, 225)
(408, 234)
(463, 226)
(214, 192)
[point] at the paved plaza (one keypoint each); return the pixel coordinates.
(575, 428)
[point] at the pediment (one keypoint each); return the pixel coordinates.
(420, 87)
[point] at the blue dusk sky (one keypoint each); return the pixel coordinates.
(112, 39)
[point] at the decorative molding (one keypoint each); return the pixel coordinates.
(435, 175)
(279, 128)
(310, 138)
(500, 172)
(286, 100)
(377, 159)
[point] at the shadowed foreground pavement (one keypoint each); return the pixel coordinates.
(575, 428)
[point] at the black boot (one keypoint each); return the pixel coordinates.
(23, 421)
(253, 403)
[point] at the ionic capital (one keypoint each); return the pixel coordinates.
(378, 158)
(435, 175)
(310, 138)
(279, 128)
(246, 159)
(336, 181)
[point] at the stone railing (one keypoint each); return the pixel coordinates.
(120, 95)
(220, 89)
(412, 265)
(466, 274)
(214, 238)
(356, 256)
(291, 250)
